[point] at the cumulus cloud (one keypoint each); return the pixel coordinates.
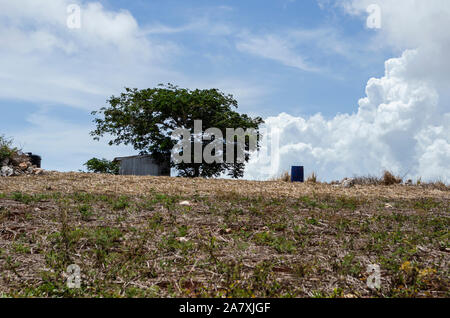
(408, 24)
(42, 60)
(403, 123)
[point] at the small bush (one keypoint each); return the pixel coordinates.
(6, 148)
(389, 179)
(102, 166)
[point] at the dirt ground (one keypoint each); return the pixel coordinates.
(175, 237)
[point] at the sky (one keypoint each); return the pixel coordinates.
(340, 96)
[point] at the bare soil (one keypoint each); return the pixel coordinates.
(131, 237)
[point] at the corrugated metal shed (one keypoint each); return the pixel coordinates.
(142, 166)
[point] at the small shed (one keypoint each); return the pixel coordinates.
(143, 165)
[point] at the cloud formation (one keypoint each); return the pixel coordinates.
(284, 48)
(42, 60)
(50, 66)
(403, 123)
(47, 64)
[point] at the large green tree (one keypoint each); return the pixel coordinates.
(147, 118)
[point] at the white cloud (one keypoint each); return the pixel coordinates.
(63, 145)
(403, 123)
(274, 48)
(299, 48)
(414, 24)
(42, 60)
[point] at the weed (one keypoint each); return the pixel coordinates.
(85, 211)
(279, 243)
(120, 203)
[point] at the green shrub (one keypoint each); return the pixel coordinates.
(6, 148)
(102, 166)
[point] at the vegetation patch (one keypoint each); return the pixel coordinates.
(170, 237)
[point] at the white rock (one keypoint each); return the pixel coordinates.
(347, 183)
(185, 203)
(6, 171)
(38, 171)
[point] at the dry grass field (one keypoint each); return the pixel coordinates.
(131, 237)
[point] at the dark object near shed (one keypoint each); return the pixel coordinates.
(35, 159)
(143, 165)
(297, 174)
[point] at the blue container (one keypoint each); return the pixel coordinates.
(297, 174)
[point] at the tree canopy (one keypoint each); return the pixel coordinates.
(147, 118)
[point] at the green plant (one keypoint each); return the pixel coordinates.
(6, 148)
(120, 203)
(102, 166)
(85, 211)
(21, 248)
(21, 197)
(279, 243)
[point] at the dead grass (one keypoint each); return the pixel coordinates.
(285, 177)
(389, 179)
(367, 180)
(132, 238)
(312, 178)
(439, 185)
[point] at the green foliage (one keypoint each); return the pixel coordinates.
(120, 203)
(27, 198)
(85, 211)
(6, 148)
(146, 119)
(102, 166)
(284, 251)
(279, 243)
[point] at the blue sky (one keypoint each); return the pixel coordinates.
(301, 58)
(213, 54)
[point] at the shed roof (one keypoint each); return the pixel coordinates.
(131, 157)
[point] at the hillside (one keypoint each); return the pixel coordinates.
(176, 237)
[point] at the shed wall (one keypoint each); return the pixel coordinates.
(140, 166)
